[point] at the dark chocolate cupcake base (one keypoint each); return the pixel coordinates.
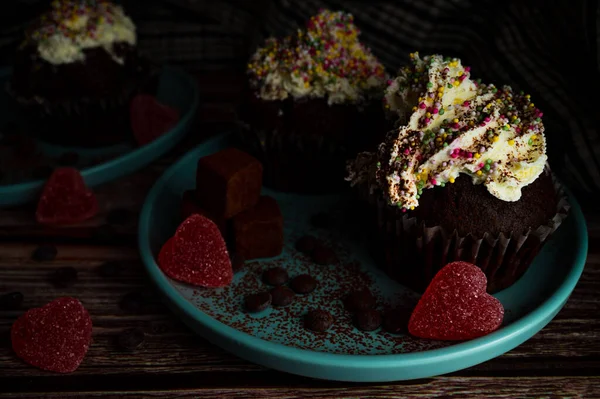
(413, 247)
(304, 145)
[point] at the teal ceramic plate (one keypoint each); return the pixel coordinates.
(275, 338)
(18, 182)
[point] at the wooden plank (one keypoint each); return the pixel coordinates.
(440, 387)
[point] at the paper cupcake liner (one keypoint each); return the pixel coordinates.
(412, 253)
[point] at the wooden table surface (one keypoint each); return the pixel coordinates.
(563, 360)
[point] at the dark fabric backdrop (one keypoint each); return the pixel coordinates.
(547, 48)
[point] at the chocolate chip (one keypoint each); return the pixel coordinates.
(104, 234)
(64, 277)
(42, 172)
(282, 296)
(119, 217)
(132, 302)
(303, 284)
(131, 339)
(360, 300)
(68, 159)
(11, 301)
(367, 320)
(158, 328)
(44, 253)
(275, 276)
(395, 321)
(306, 244)
(323, 255)
(110, 269)
(257, 302)
(237, 262)
(318, 320)
(320, 220)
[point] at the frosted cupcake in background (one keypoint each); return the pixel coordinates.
(76, 71)
(463, 176)
(313, 101)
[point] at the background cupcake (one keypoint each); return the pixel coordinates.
(313, 100)
(76, 71)
(464, 177)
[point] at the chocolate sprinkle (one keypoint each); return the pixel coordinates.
(131, 339)
(257, 302)
(303, 284)
(318, 320)
(110, 269)
(367, 320)
(44, 253)
(275, 276)
(282, 296)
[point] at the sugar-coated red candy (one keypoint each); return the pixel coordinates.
(197, 254)
(150, 119)
(456, 306)
(55, 337)
(65, 199)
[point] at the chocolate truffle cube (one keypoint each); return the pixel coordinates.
(258, 232)
(190, 206)
(228, 182)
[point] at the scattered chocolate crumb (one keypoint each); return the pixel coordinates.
(132, 302)
(320, 220)
(11, 301)
(306, 244)
(44, 253)
(257, 302)
(275, 276)
(367, 320)
(41, 172)
(110, 269)
(303, 284)
(68, 159)
(119, 217)
(395, 321)
(324, 255)
(318, 320)
(64, 277)
(282, 296)
(237, 262)
(360, 300)
(131, 339)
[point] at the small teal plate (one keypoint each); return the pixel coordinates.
(100, 165)
(275, 338)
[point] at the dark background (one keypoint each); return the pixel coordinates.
(549, 49)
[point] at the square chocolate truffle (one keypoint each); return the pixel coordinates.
(190, 206)
(258, 232)
(228, 182)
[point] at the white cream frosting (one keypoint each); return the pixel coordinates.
(451, 125)
(324, 61)
(73, 26)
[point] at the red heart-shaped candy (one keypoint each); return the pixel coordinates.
(456, 306)
(54, 337)
(65, 199)
(197, 254)
(151, 119)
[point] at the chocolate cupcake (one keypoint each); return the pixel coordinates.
(76, 72)
(312, 101)
(463, 177)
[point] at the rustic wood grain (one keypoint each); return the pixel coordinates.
(562, 360)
